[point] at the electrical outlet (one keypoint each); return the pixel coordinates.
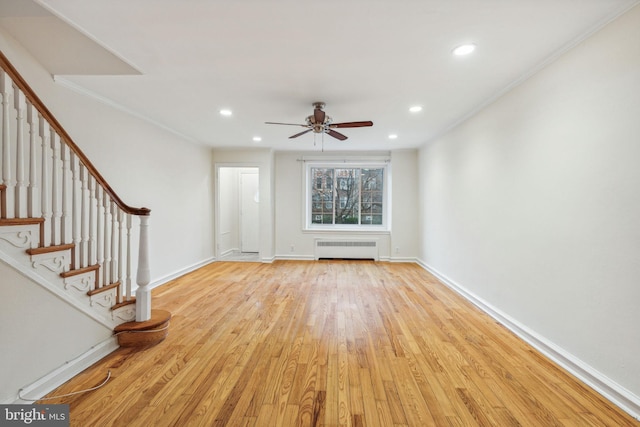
(293, 248)
(397, 250)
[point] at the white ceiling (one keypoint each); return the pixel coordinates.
(178, 62)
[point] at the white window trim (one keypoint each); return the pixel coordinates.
(385, 227)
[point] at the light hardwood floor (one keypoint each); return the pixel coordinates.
(331, 343)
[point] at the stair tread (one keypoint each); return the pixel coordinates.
(158, 318)
(103, 289)
(124, 303)
(79, 271)
(49, 249)
(21, 221)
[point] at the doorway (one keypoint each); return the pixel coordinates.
(238, 214)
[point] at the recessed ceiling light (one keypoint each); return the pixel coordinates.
(393, 136)
(226, 112)
(415, 109)
(464, 49)
(257, 139)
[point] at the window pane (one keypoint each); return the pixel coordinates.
(348, 194)
(321, 196)
(372, 179)
(371, 198)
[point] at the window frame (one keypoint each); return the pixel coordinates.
(310, 182)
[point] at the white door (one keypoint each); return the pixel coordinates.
(249, 212)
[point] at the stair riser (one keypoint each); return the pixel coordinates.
(56, 262)
(125, 313)
(19, 238)
(83, 283)
(143, 339)
(144, 334)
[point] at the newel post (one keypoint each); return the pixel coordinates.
(143, 277)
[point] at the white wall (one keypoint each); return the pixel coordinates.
(145, 165)
(404, 193)
(38, 333)
(532, 206)
(293, 242)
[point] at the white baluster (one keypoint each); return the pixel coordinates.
(19, 105)
(64, 219)
(84, 212)
(55, 189)
(120, 253)
(7, 178)
(128, 281)
(114, 242)
(76, 195)
(44, 187)
(143, 294)
(91, 255)
(100, 237)
(107, 241)
(32, 189)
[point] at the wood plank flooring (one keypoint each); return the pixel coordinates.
(329, 343)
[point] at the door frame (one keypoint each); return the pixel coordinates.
(216, 225)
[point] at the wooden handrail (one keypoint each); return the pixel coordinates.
(64, 136)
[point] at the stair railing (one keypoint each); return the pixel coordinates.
(45, 175)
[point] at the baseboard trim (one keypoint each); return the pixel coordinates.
(412, 260)
(268, 260)
(169, 277)
(614, 392)
(294, 257)
(228, 251)
(64, 373)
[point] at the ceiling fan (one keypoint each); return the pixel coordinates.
(320, 122)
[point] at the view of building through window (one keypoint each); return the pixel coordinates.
(347, 195)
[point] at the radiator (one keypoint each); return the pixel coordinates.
(346, 248)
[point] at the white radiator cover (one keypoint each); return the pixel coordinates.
(346, 248)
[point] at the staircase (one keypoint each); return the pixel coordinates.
(61, 224)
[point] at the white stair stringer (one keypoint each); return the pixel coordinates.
(45, 270)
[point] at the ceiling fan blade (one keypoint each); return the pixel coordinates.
(301, 133)
(319, 116)
(335, 134)
(351, 124)
(287, 124)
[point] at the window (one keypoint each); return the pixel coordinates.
(349, 196)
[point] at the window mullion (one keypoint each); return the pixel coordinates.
(334, 193)
(359, 202)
